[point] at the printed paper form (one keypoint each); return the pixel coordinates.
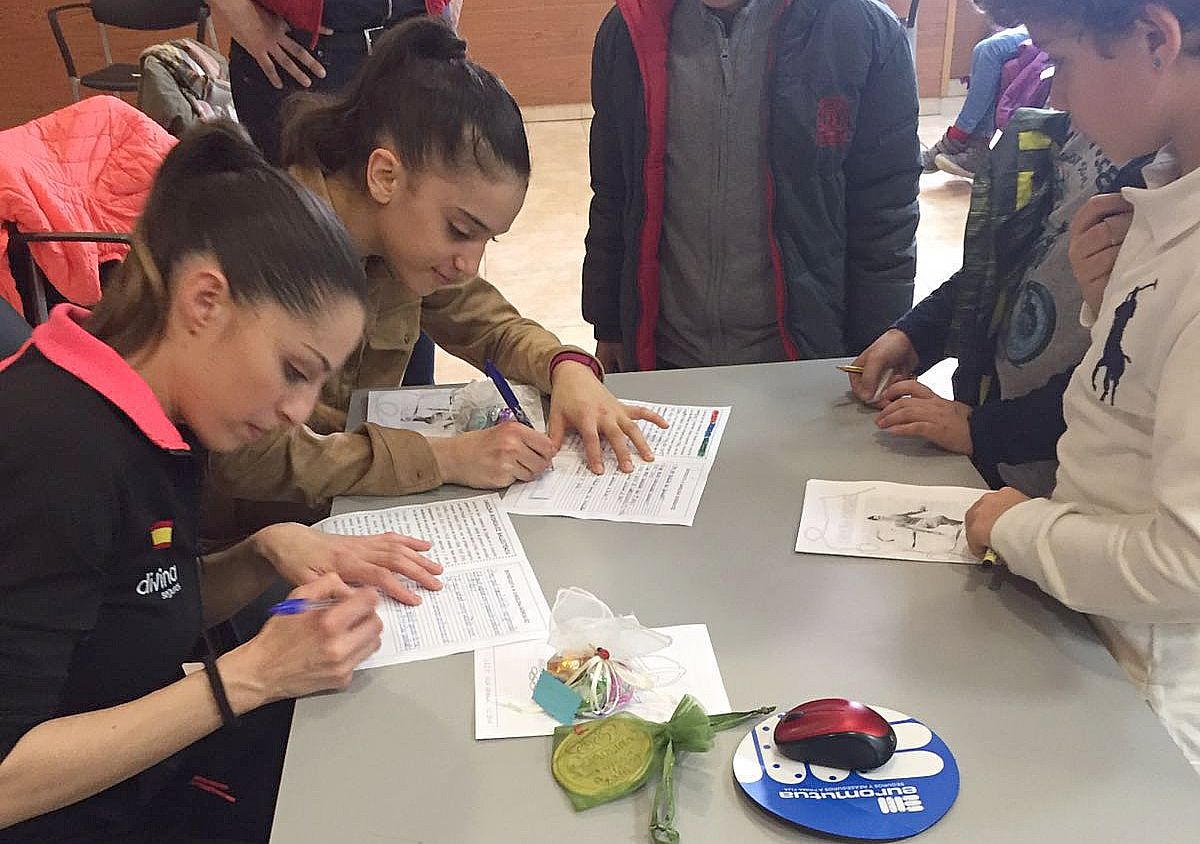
(490, 594)
(886, 520)
(665, 492)
(504, 678)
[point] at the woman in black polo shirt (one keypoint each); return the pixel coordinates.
(241, 295)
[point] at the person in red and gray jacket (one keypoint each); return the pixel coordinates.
(754, 169)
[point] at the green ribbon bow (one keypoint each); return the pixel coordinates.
(601, 760)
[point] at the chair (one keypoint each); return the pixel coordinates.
(144, 15)
(72, 184)
(36, 293)
(910, 28)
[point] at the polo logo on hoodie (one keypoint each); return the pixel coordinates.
(161, 534)
(833, 122)
(1114, 359)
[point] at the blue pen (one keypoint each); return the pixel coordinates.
(295, 606)
(506, 393)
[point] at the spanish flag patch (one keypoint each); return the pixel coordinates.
(160, 534)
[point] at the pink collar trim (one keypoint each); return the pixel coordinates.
(64, 342)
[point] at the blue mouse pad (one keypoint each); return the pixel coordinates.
(904, 797)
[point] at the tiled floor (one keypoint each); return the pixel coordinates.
(537, 264)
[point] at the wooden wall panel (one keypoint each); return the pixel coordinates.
(541, 48)
(931, 44)
(971, 27)
(33, 80)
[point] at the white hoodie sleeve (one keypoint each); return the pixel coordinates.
(1139, 566)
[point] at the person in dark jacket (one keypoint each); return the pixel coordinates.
(1010, 315)
(754, 167)
(270, 36)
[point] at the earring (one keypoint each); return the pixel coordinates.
(1157, 63)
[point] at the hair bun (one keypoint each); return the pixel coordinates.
(429, 38)
(210, 149)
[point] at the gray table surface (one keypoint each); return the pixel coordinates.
(1052, 741)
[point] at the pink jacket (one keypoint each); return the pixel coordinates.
(87, 167)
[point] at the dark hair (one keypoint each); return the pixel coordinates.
(419, 93)
(215, 194)
(1103, 19)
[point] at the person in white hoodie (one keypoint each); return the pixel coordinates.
(1119, 538)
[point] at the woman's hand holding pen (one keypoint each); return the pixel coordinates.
(494, 457)
(984, 513)
(893, 352)
(578, 400)
(301, 555)
(304, 653)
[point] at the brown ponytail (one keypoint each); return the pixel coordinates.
(419, 93)
(215, 194)
(133, 312)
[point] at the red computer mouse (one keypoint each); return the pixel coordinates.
(836, 733)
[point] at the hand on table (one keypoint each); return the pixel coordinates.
(892, 350)
(910, 409)
(578, 400)
(301, 555)
(982, 516)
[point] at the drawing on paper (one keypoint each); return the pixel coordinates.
(428, 412)
(921, 529)
(447, 411)
(887, 520)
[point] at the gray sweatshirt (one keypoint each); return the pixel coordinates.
(717, 283)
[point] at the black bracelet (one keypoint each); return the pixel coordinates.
(228, 718)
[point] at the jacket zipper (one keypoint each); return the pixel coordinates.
(716, 234)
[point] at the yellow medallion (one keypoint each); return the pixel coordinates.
(603, 759)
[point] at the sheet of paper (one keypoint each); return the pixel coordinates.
(505, 676)
(491, 595)
(665, 492)
(430, 412)
(887, 520)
